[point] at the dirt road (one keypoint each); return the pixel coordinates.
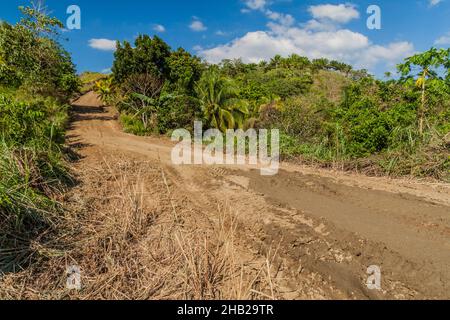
(325, 227)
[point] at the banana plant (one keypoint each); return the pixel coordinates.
(104, 88)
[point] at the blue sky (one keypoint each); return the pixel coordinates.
(255, 29)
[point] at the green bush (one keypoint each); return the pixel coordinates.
(31, 170)
(366, 128)
(40, 121)
(133, 125)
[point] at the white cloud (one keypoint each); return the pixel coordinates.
(284, 19)
(314, 39)
(434, 2)
(261, 5)
(197, 26)
(443, 41)
(391, 54)
(341, 13)
(222, 33)
(103, 44)
(256, 4)
(106, 71)
(159, 28)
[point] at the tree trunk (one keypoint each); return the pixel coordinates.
(422, 107)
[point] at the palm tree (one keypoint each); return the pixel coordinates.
(218, 98)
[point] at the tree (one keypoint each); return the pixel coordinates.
(219, 101)
(124, 64)
(297, 62)
(341, 67)
(276, 62)
(425, 66)
(320, 64)
(33, 59)
(149, 56)
(184, 70)
(142, 97)
(38, 21)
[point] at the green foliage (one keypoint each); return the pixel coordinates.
(36, 74)
(30, 57)
(286, 83)
(104, 88)
(89, 80)
(427, 66)
(38, 22)
(185, 70)
(177, 111)
(367, 129)
(40, 121)
(218, 98)
(428, 61)
(133, 125)
(31, 170)
(149, 56)
(327, 111)
(156, 85)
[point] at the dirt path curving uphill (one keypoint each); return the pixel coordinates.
(326, 228)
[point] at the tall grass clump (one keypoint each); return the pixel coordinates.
(32, 171)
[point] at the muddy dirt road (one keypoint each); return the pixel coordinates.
(327, 227)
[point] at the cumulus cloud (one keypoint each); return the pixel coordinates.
(281, 18)
(341, 13)
(159, 28)
(443, 41)
(321, 37)
(197, 26)
(103, 44)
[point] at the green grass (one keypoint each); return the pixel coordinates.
(134, 125)
(32, 171)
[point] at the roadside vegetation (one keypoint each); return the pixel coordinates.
(90, 80)
(328, 113)
(37, 79)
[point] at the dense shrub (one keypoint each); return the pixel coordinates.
(34, 61)
(27, 123)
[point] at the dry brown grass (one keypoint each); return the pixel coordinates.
(135, 235)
